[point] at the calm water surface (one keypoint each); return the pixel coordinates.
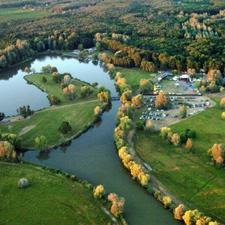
(92, 156)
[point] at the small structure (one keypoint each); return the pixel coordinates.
(185, 78)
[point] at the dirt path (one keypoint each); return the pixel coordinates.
(26, 129)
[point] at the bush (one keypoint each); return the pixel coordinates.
(99, 191)
(23, 183)
(54, 100)
(65, 128)
(44, 80)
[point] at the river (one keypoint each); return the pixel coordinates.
(92, 156)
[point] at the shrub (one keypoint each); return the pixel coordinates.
(23, 183)
(175, 139)
(97, 111)
(222, 116)
(99, 191)
(218, 153)
(40, 142)
(189, 144)
(183, 111)
(166, 201)
(118, 203)
(54, 100)
(149, 125)
(65, 127)
(164, 131)
(44, 80)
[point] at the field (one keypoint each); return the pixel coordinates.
(16, 14)
(189, 176)
(134, 75)
(47, 122)
(53, 88)
(79, 113)
(50, 199)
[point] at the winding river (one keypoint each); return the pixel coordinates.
(92, 156)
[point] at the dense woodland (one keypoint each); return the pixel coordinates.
(190, 32)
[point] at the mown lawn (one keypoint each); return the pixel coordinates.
(189, 176)
(134, 75)
(49, 200)
(47, 122)
(55, 89)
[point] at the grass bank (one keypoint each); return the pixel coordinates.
(50, 199)
(189, 176)
(134, 75)
(79, 112)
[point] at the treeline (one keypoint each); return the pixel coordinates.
(57, 40)
(203, 53)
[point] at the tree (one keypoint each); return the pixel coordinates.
(146, 86)
(2, 116)
(218, 153)
(137, 101)
(161, 101)
(118, 203)
(222, 103)
(40, 142)
(149, 125)
(97, 111)
(189, 144)
(179, 212)
(25, 111)
(222, 116)
(65, 127)
(66, 79)
(191, 216)
(7, 150)
(99, 191)
(85, 91)
(166, 201)
(104, 97)
(44, 80)
(54, 100)
(175, 139)
(183, 111)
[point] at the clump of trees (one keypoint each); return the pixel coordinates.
(65, 128)
(146, 86)
(184, 138)
(117, 204)
(104, 96)
(25, 111)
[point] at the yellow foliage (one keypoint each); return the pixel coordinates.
(161, 100)
(97, 110)
(117, 206)
(149, 124)
(166, 201)
(7, 150)
(189, 144)
(99, 191)
(103, 96)
(223, 115)
(66, 79)
(222, 103)
(175, 139)
(71, 88)
(217, 152)
(137, 101)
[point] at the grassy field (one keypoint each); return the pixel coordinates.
(189, 176)
(16, 14)
(55, 89)
(78, 112)
(50, 199)
(47, 122)
(134, 75)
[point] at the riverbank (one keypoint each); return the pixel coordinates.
(174, 166)
(64, 204)
(79, 112)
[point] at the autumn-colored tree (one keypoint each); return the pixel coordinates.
(126, 97)
(71, 88)
(99, 191)
(146, 86)
(191, 216)
(118, 203)
(149, 125)
(125, 123)
(97, 111)
(103, 97)
(7, 150)
(214, 75)
(166, 201)
(223, 115)
(161, 101)
(189, 144)
(179, 212)
(164, 131)
(222, 103)
(175, 139)
(137, 101)
(218, 153)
